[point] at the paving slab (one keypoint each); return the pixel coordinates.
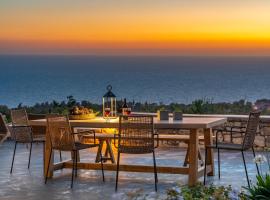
(29, 184)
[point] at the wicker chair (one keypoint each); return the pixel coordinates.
(136, 136)
(22, 133)
(55, 115)
(3, 129)
(62, 139)
(248, 142)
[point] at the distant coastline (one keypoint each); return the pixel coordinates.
(199, 106)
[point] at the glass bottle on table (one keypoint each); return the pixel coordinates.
(124, 107)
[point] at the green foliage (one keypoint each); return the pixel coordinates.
(201, 192)
(260, 191)
(162, 109)
(71, 101)
(172, 194)
(200, 106)
(5, 111)
(176, 108)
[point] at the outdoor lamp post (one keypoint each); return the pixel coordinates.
(109, 104)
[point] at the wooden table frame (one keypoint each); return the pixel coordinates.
(193, 170)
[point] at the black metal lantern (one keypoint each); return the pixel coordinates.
(109, 104)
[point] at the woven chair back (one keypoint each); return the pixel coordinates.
(251, 130)
(20, 131)
(136, 134)
(19, 117)
(3, 127)
(60, 133)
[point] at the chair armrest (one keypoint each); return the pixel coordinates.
(238, 128)
(219, 129)
(88, 132)
(157, 137)
(21, 126)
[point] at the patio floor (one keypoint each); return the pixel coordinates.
(29, 184)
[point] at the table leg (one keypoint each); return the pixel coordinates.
(99, 151)
(187, 157)
(107, 150)
(208, 140)
(193, 158)
(110, 151)
(47, 157)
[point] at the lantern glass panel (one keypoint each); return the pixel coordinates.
(109, 104)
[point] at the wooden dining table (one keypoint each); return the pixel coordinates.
(193, 124)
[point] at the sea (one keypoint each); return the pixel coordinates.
(30, 79)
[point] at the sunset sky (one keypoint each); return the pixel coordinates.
(135, 27)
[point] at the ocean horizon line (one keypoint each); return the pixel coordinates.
(133, 55)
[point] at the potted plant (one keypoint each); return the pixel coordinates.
(163, 114)
(177, 114)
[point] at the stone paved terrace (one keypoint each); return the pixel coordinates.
(29, 184)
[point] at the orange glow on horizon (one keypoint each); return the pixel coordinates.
(107, 27)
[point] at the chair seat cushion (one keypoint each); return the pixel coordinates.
(229, 146)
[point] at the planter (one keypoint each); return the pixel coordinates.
(177, 116)
(163, 115)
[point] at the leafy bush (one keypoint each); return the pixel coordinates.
(5, 111)
(200, 192)
(200, 106)
(172, 194)
(260, 191)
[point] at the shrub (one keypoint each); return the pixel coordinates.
(200, 192)
(260, 191)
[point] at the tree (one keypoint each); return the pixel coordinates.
(71, 101)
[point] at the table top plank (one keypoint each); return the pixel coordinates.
(186, 123)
